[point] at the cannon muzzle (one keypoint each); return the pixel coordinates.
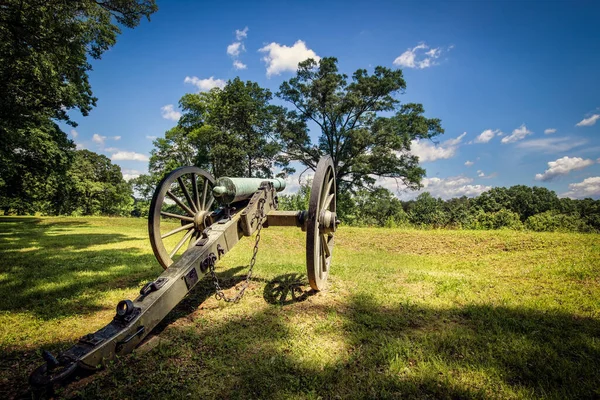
(232, 190)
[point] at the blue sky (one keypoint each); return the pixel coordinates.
(516, 85)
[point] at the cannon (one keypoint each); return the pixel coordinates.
(193, 221)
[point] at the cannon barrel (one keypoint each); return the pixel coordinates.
(232, 190)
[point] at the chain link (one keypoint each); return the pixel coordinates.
(219, 294)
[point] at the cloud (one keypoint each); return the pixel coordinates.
(469, 163)
(129, 174)
(79, 146)
(235, 48)
(550, 131)
(516, 135)
(487, 135)
(280, 58)
(98, 139)
(168, 112)
(150, 137)
(428, 151)
(116, 137)
(589, 187)
(446, 188)
(237, 64)
(420, 57)
(128, 156)
(204, 85)
(480, 173)
(563, 166)
(551, 145)
(243, 34)
(589, 121)
(74, 134)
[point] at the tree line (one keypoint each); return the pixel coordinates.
(517, 207)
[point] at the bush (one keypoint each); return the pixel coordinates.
(551, 221)
(503, 219)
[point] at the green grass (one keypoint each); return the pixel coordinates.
(407, 314)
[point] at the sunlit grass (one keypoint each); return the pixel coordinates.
(407, 314)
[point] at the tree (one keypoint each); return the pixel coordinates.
(96, 187)
(32, 162)
(45, 46)
(225, 131)
(363, 144)
(44, 50)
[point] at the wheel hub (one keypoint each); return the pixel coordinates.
(199, 219)
(327, 221)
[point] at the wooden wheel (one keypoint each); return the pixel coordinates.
(321, 224)
(178, 212)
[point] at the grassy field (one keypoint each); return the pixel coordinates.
(408, 314)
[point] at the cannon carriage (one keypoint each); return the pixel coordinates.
(194, 220)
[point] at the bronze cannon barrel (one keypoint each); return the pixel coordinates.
(231, 190)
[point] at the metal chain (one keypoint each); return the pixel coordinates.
(219, 294)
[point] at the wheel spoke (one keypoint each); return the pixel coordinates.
(180, 203)
(182, 217)
(187, 195)
(327, 188)
(324, 255)
(325, 245)
(181, 242)
(174, 231)
(196, 196)
(204, 191)
(328, 201)
(210, 202)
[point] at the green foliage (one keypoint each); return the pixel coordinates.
(33, 163)
(495, 220)
(296, 201)
(427, 211)
(225, 131)
(95, 186)
(551, 221)
(44, 50)
(363, 144)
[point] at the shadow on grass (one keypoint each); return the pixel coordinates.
(50, 272)
(287, 289)
(407, 351)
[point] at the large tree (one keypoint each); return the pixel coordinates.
(45, 52)
(363, 143)
(227, 131)
(45, 46)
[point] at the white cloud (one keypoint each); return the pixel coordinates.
(551, 145)
(237, 64)
(128, 156)
(516, 135)
(550, 131)
(116, 138)
(589, 121)
(469, 163)
(129, 174)
(243, 34)
(98, 139)
(446, 188)
(235, 48)
(419, 57)
(168, 112)
(204, 85)
(280, 58)
(487, 135)
(589, 187)
(428, 151)
(110, 149)
(150, 137)
(79, 146)
(563, 166)
(74, 134)
(480, 173)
